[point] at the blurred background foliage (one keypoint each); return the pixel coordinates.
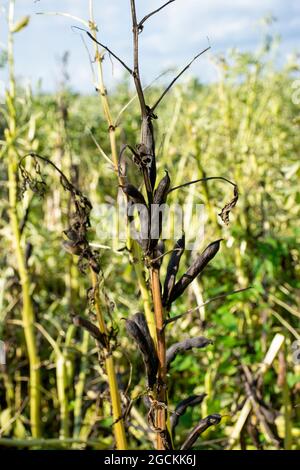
(244, 127)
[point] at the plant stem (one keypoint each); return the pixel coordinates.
(79, 388)
(134, 249)
(119, 428)
(28, 317)
(160, 417)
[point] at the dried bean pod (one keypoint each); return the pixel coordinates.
(162, 189)
(182, 346)
(180, 409)
(172, 269)
(132, 192)
(194, 270)
(137, 328)
(203, 424)
(91, 328)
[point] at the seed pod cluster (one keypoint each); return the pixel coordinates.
(180, 409)
(172, 269)
(194, 270)
(190, 343)
(137, 328)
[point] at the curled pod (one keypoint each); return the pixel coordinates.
(146, 346)
(172, 269)
(203, 424)
(161, 192)
(132, 192)
(190, 343)
(194, 270)
(180, 409)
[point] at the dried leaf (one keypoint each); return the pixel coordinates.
(224, 214)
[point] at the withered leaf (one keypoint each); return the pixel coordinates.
(224, 214)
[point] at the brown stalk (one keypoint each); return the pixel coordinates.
(160, 415)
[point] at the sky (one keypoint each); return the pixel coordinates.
(170, 38)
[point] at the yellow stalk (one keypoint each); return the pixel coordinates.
(119, 429)
(28, 317)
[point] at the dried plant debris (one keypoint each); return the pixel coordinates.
(36, 184)
(194, 270)
(137, 328)
(181, 408)
(203, 424)
(190, 343)
(224, 214)
(77, 243)
(172, 269)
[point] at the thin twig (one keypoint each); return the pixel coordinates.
(202, 180)
(136, 73)
(177, 77)
(106, 48)
(67, 15)
(140, 25)
(221, 296)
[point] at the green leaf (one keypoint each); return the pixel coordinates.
(21, 24)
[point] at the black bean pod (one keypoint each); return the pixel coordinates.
(203, 424)
(194, 270)
(138, 329)
(134, 194)
(172, 269)
(190, 343)
(182, 406)
(161, 192)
